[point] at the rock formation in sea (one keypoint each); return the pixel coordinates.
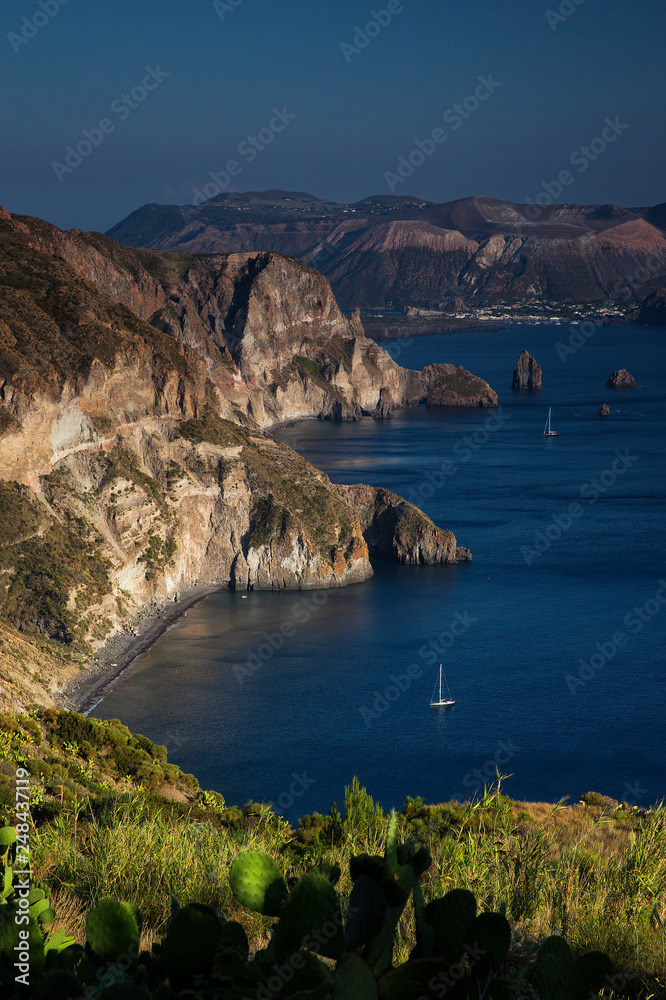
(136, 391)
(603, 410)
(621, 379)
(527, 373)
(397, 530)
(448, 385)
(384, 406)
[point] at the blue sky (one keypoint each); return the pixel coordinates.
(230, 64)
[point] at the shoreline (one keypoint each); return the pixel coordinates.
(120, 650)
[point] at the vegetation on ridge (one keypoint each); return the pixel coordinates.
(113, 818)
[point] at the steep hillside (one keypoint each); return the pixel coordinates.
(394, 252)
(134, 467)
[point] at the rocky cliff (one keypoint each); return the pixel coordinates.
(401, 251)
(135, 389)
(394, 529)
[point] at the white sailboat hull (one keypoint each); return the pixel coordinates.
(441, 702)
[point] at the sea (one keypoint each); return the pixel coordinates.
(551, 639)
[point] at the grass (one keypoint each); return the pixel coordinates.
(44, 561)
(113, 817)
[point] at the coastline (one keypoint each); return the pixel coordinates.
(121, 649)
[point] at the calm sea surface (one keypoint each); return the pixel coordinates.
(511, 628)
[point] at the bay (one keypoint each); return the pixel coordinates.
(541, 606)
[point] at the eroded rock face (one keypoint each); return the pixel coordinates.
(268, 329)
(385, 405)
(527, 373)
(603, 410)
(394, 529)
(133, 399)
(621, 379)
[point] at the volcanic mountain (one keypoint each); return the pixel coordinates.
(391, 252)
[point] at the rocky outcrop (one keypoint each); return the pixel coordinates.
(603, 410)
(621, 379)
(385, 405)
(267, 329)
(448, 385)
(394, 529)
(527, 373)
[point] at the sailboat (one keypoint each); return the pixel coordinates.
(547, 432)
(442, 702)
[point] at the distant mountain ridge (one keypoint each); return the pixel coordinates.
(390, 251)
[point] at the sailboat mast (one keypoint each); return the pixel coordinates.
(440, 682)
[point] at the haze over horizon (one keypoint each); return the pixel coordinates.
(308, 100)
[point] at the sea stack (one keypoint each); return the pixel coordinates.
(603, 410)
(527, 374)
(385, 404)
(621, 379)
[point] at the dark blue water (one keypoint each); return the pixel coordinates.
(551, 586)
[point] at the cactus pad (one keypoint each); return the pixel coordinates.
(354, 980)
(193, 938)
(366, 911)
(311, 917)
(451, 918)
(591, 974)
(491, 934)
(257, 882)
(113, 930)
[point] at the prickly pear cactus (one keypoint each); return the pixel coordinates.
(490, 933)
(592, 972)
(451, 918)
(113, 930)
(354, 980)
(554, 970)
(194, 936)
(311, 917)
(257, 882)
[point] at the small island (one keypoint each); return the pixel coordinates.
(621, 379)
